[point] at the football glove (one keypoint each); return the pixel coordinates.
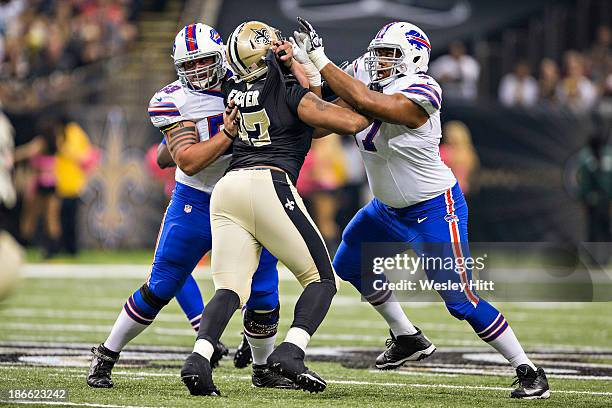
(308, 39)
(300, 55)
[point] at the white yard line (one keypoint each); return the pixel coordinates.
(102, 271)
(81, 314)
(136, 374)
(459, 387)
(71, 404)
(455, 372)
(162, 331)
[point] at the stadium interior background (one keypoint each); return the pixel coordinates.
(527, 108)
(528, 101)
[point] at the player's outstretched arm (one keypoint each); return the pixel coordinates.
(191, 155)
(389, 108)
(394, 108)
(318, 113)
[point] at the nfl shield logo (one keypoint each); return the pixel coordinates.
(187, 208)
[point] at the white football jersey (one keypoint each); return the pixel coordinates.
(403, 165)
(174, 103)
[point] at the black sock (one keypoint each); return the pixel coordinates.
(217, 314)
(313, 304)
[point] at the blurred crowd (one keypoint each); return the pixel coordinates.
(43, 42)
(50, 173)
(580, 82)
(50, 46)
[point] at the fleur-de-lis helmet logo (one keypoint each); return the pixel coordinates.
(262, 36)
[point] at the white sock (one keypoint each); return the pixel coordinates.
(261, 348)
(124, 330)
(392, 312)
(299, 337)
(508, 346)
(204, 348)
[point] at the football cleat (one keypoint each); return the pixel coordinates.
(102, 363)
(218, 354)
(264, 378)
(288, 360)
(197, 376)
(400, 349)
(532, 384)
(243, 356)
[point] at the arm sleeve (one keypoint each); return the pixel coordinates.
(294, 95)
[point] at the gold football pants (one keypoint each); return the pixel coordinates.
(261, 207)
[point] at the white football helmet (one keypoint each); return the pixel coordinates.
(197, 41)
(411, 50)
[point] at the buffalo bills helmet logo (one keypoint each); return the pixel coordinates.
(214, 35)
(451, 218)
(415, 38)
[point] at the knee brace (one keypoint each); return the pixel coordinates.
(261, 325)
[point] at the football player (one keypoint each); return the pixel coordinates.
(10, 251)
(416, 197)
(190, 114)
(256, 204)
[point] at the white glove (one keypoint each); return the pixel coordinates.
(309, 40)
(300, 55)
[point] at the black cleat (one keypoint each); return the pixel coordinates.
(218, 354)
(264, 378)
(102, 363)
(400, 349)
(288, 360)
(532, 384)
(243, 356)
(197, 376)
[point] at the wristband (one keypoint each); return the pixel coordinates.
(318, 58)
(229, 135)
(312, 73)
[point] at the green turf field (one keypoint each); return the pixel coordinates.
(48, 325)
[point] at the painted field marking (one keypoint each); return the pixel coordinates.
(71, 404)
(136, 374)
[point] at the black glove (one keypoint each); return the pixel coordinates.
(308, 29)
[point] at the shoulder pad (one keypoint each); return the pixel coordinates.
(164, 107)
(421, 89)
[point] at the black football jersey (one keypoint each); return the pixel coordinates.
(271, 132)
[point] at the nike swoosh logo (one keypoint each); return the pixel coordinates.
(420, 220)
(158, 99)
